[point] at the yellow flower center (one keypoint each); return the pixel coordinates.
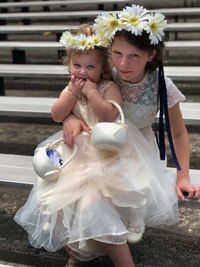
(153, 26)
(113, 23)
(134, 20)
(83, 42)
(96, 41)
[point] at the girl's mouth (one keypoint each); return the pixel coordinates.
(125, 72)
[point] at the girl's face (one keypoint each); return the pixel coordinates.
(87, 66)
(129, 61)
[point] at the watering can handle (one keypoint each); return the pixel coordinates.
(120, 110)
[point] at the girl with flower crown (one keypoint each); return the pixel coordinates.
(136, 44)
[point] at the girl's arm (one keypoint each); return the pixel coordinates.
(67, 99)
(104, 110)
(181, 144)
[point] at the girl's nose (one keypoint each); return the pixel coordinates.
(123, 62)
(83, 73)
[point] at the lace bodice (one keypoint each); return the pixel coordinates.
(140, 100)
(82, 108)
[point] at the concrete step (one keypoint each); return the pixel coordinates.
(174, 246)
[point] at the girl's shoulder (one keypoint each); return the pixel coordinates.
(174, 95)
(104, 85)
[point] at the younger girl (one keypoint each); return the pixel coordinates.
(102, 198)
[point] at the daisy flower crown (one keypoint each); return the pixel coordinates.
(134, 19)
(81, 41)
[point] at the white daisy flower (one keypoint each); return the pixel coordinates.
(106, 25)
(67, 39)
(155, 26)
(81, 42)
(98, 41)
(134, 19)
(90, 42)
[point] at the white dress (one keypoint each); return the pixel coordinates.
(99, 194)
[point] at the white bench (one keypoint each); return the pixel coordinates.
(174, 28)
(177, 73)
(88, 15)
(31, 29)
(19, 47)
(78, 3)
(17, 170)
(40, 107)
(58, 3)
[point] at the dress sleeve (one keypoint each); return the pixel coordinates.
(173, 94)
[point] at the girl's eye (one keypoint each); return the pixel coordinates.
(133, 55)
(77, 66)
(90, 67)
(117, 53)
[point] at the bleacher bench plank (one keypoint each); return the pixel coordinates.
(40, 107)
(63, 3)
(183, 27)
(80, 2)
(7, 265)
(184, 11)
(17, 45)
(90, 14)
(30, 29)
(26, 29)
(180, 3)
(182, 45)
(182, 73)
(18, 170)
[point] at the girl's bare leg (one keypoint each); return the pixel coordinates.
(119, 254)
(72, 261)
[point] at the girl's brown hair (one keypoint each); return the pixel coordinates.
(103, 52)
(142, 42)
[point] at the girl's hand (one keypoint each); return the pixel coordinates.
(75, 85)
(183, 186)
(72, 127)
(88, 87)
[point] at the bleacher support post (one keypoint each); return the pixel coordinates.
(18, 56)
(2, 86)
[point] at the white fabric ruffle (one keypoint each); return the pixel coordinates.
(95, 195)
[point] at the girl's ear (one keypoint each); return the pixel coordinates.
(151, 55)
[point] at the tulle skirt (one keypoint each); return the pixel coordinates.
(97, 196)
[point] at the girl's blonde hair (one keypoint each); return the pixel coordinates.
(103, 52)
